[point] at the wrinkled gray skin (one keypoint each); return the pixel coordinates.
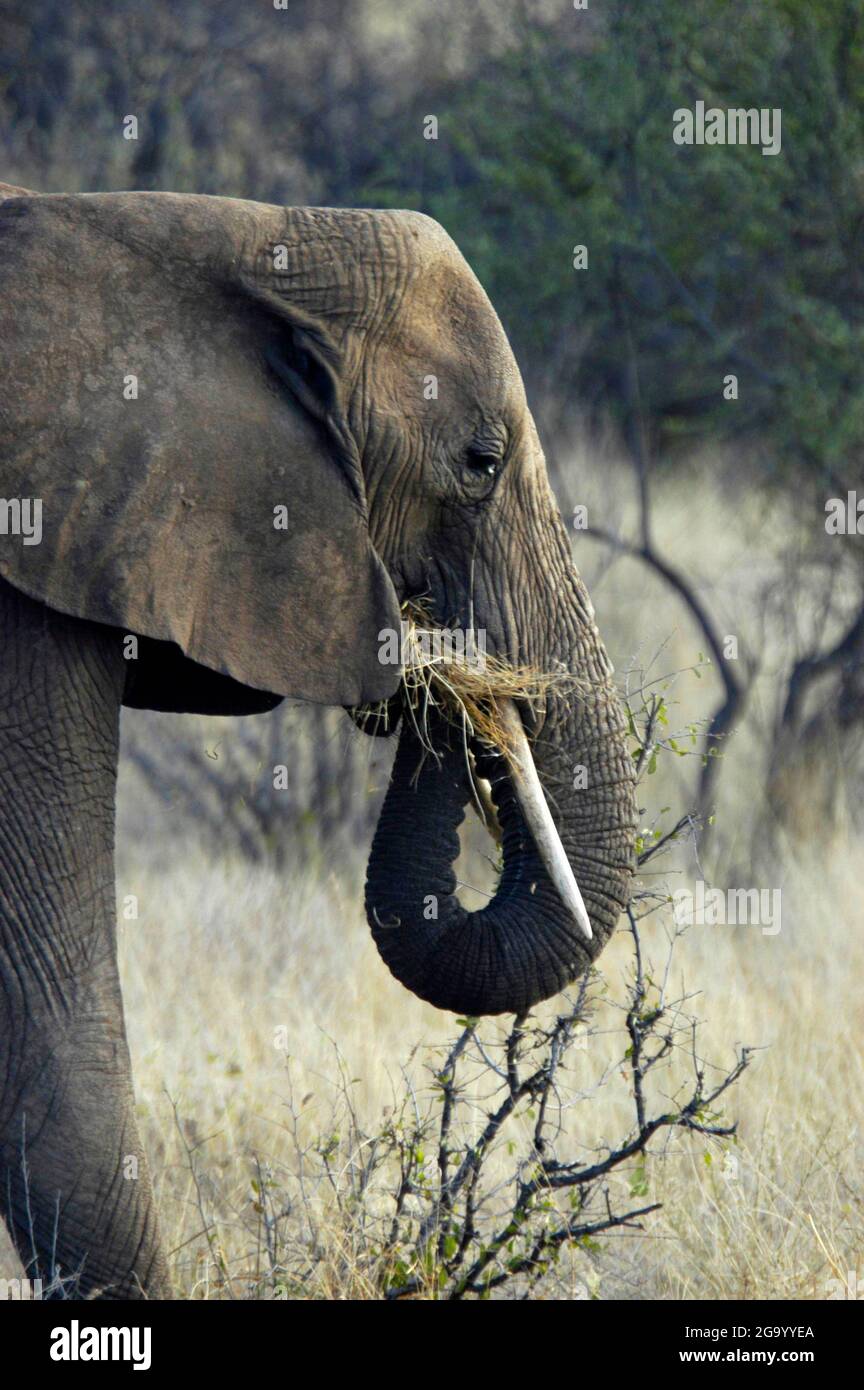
(282, 356)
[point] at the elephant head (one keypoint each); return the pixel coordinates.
(256, 433)
(462, 515)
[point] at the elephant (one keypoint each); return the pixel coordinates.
(236, 440)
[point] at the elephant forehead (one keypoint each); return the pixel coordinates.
(448, 306)
(447, 329)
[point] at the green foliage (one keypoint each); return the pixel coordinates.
(703, 260)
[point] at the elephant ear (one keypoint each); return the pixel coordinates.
(177, 409)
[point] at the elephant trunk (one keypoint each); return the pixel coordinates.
(535, 936)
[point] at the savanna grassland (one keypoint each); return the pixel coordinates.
(272, 1050)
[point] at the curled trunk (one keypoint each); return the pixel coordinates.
(524, 946)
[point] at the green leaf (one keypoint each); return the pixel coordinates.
(639, 1183)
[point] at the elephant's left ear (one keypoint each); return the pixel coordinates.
(182, 433)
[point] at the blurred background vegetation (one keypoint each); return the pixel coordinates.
(553, 132)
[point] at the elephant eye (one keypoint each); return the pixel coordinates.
(480, 469)
(483, 463)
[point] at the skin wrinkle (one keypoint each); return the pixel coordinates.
(38, 962)
(65, 1064)
(40, 762)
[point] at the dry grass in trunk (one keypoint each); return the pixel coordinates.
(466, 688)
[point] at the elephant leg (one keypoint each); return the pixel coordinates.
(74, 1187)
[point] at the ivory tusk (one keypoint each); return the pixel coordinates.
(538, 817)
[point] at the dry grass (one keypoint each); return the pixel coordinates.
(465, 688)
(254, 962)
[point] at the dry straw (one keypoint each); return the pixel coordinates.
(466, 690)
